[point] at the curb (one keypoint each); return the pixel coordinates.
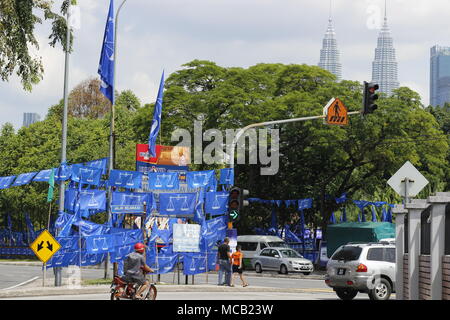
(104, 289)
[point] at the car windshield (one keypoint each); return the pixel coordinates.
(290, 254)
(347, 254)
(278, 244)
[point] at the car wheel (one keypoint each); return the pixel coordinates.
(346, 293)
(283, 269)
(381, 291)
(258, 268)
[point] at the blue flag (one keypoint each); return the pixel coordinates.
(107, 59)
(156, 122)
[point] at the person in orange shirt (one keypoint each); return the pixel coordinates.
(236, 259)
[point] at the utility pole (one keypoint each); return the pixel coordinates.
(57, 270)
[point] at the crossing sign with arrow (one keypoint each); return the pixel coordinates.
(45, 246)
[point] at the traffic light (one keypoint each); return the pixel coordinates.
(370, 97)
(236, 202)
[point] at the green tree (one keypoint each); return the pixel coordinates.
(18, 20)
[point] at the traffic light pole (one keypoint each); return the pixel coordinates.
(268, 123)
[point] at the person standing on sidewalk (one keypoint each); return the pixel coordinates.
(238, 266)
(224, 257)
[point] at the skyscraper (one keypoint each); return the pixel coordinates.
(30, 118)
(329, 54)
(384, 67)
(439, 75)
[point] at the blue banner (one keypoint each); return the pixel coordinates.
(177, 203)
(216, 202)
(125, 179)
(23, 179)
(200, 179)
(64, 172)
(5, 182)
(163, 181)
(107, 59)
(44, 175)
(99, 164)
(156, 122)
(164, 264)
(133, 199)
(305, 204)
(194, 263)
(227, 176)
(86, 175)
(99, 243)
(92, 199)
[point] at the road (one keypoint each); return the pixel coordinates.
(305, 288)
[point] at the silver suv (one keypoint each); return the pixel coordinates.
(362, 267)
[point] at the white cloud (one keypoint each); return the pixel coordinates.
(164, 34)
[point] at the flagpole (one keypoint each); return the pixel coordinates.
(112, 141)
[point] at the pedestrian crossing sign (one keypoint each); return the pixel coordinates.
(337, 113)
(45, 246)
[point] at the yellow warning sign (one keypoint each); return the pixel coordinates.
(45, 246)
(337, 113)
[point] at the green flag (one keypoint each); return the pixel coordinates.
(51, 186)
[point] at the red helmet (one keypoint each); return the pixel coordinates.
(139, 247)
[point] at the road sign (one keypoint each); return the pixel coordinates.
(45, 246)
(337, 113)
(407, 181)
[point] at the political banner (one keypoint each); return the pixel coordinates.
(86, 175)
(5, 182)
(163, 181)
(44, 175)
(216, 202)
(99, 164)
(129, 199)
(186, 237)
(177, 203)
(305, 204)
(63, 172)
(200, 179)
(194, 263)
(227, 176)
(125, 179)
(99, 243)
(24, 178)
(92, 199)
(164, 264)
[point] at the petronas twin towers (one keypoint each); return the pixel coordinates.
(384, 67)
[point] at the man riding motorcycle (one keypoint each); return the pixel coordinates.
(135, 269)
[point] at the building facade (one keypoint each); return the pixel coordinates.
(439, 75)
(329, 54)
(384, 67)
(30, 118)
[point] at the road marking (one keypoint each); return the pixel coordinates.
(21, 284)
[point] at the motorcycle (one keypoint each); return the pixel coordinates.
(129, 290)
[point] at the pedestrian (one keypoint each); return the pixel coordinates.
(224, 258)
(238, 266)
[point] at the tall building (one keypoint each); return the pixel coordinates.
(439, 75)
(329, 54)
(30, 118)
(384, 67)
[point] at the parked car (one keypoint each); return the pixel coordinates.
(365, 267)
(251, 245)
(283, 260)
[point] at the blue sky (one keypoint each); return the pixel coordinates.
(164, 34)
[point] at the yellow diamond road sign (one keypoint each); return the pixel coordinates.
(45, 246)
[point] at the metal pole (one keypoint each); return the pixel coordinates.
(112, 137)
(62, 186)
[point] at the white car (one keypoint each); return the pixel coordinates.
(364, 267)
(283, 260)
